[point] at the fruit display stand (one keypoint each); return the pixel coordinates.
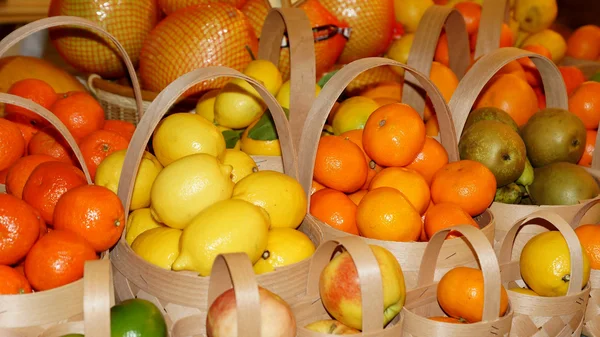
(463, 99)
(92, 298)
(183, 294)
(552, 316)
(311, 309)
(456, 252)
(422, 302)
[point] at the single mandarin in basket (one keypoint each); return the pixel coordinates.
(20, 171)
(19, 229)
(57, 259)
(123, 128)
(445, 80)
(584, 43)
(585, 103)
(79, 112)
(471, 13)
(49, 141)
(27, 131)
(444, 215)
(393, 135)
(36, 90)
(335, 209)
(537, 48)
(590, 145)
(355, 136)
(441, 54)
(410, 182)
(340, 164)
(384, 213)
(98, 145)
(13, 282)
(466, 183)
(432, 157)
(572, 76)
(12, 143)
(460, 294)
(589, 237)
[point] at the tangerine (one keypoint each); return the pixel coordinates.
(584, 43)
(471, 13)
(20, 171)
(432, 157)
(27, 131)
(98, 145)
(36, 90)
(572, 76)
(412, 185)
(12, 143)
(79, 112)
(589, 237)
(19, 229)
(444, 215)
(13, 282)
(357, 196)
(590, 145)
(340, 164)
(335, 209)
(315, 186)
(123, 128)
(50, 142)
(585, 103)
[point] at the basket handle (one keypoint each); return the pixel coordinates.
(556, 221)
(490, 26)
(423, 49)
(369, 275)
(576, 221)
(302, 60)
(318, 113)
(487, 260)
(56, 21)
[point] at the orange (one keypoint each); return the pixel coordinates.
(27, 131)
(460, 294)
(36, 90)
(393, 135)
(315, 186)
(50, 142)
(589, 237)
(412, 185)
(467, 183)
(444, 215)
(355, 136)
(471, 12)
(12, 282)
(123, 128)
(432, 127)
(423, 236)
(340, 164)
(3, 174)
(381, 101)
(47, 183)
(541, 97)
(585, 103)
(357, 196)
(446, 82)
(12, 143)
(447, 319)
(19, 229)
(98, 145)
(506, 37)
(590, 144)
(515, 68)
(388, 89)
(584, 43)
(385, 214)
(20, 171)
(57, 259)
(511, 94)
(441, 51)
(432, 157)
(80, 112)
(335, 209)
(526, 62)
(94, 212)
(572, 76)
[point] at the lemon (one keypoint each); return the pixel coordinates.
(521, 36)
(279, 194)
(182, 134)
(283, 96)
(159, 246)
(228, 226)
(545, 264)
(410, 12)
(138, 222)
(206, 105)
(238, 143)
(399, 51)
(187, 186)
(550, 39)
(109, 173)
(241, 162)
(256, 147)
(285, 246)
(265, 72)
(535, 15)
(353, 114)
(524, 291)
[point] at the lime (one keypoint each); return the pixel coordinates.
(137, 318)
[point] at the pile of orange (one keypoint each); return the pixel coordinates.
(390, 181)
(51, 220)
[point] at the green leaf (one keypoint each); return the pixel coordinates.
(264, 129)
(325, 78)
(231, 137)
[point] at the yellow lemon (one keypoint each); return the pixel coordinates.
(546, 264)
(206, 105)
(187, 186)
(159, 246)
(138, 222)
(524, 291)
(265, 72)
(283, 96)
(410, 12)
(228, 226)
(550, 39)
(399, 50)
(327, 130)
(109, 173)
(241, 162)
(279, 194)
(182, 134)
(256, 147)
(353, 114)
(535, 15)
(285, 246)
(237, 145)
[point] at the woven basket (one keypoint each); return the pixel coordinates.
(461, 103)
(545, 316)
(311, 309)
(421, 302)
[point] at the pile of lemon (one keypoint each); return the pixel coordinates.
(194, 199)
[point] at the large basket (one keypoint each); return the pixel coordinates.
(461, 103)
(546, 316)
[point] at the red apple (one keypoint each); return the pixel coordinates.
(331, 327)
(340, 288)
(276, 318)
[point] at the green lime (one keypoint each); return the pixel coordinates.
(137, 318)
(595, 77)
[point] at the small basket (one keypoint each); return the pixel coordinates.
(545, 316)
(421, 302)
(311, 309)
